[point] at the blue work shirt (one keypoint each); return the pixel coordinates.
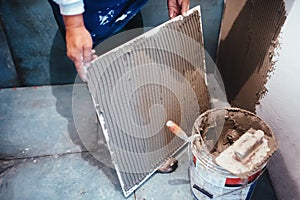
(104, 18)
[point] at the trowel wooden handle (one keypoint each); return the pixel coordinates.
(174, 128)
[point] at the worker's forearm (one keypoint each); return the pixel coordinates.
(73, 21)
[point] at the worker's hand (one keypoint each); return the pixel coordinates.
(178, 7)
(79, 43)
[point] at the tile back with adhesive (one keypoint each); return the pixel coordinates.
(141, 84)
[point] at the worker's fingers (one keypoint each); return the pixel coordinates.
(173, 8)
(82, 71)
(87, 54)
(177, 7)
(77, 58)
(85, 64)
(94, 56)
(185, 6)
(80, 68)
(82, 63)
(173, 12)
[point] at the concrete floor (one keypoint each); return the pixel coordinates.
(50, 151)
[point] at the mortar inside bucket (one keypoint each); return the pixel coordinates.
(220, 128)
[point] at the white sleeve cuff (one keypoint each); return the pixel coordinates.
(72, 9)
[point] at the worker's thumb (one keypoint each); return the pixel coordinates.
(185, 6)
(81, 70)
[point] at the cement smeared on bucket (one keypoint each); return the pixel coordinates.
(221, 128)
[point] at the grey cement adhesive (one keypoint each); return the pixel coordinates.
(138, 86)
(249, 32)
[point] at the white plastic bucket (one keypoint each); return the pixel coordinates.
(209, 180)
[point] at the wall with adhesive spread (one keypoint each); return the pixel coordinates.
(280, 109)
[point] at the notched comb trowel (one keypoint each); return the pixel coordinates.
(171, 164)
(247, 154)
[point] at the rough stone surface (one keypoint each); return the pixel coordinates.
(8, 75)
(31, 31)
